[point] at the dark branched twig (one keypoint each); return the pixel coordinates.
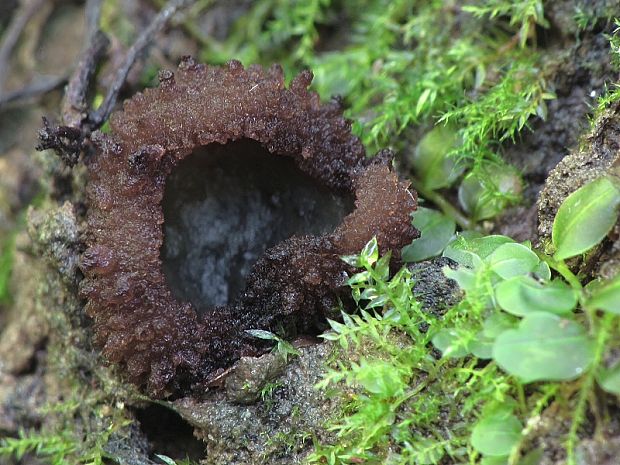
(40, 86)
(68, 140)
(99, 116)
(11, 36)
(75, 106)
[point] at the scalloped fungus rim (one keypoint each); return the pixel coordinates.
(162, 343)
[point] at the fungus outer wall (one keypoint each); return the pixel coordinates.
(150, 328)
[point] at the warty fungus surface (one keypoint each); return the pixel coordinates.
(173, 311)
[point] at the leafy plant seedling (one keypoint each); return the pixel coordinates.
(545, 347)
(607, 297)
(585, 217)
(436, 230)
(523, 295)
(495, 435)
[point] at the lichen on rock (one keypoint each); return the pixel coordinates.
(141, 322)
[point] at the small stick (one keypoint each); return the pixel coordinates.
(74, 106)
(11, 36)
(40, 86)
(70, 139)
(97, 117)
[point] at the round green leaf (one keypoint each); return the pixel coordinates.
(482, 347)
(543, 271)
(495, 435)
(502, 460)
(461, 248)
(607, 297)
(609, 379)
(497, 323)
(436, 230)
(380, 378)
(493, 326)
(452, 343)
(432, 164)
(485, 194)
(523, 295)
(585, 217)
(544, 347)
(513, 259)
(464, 277)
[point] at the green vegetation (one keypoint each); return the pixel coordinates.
(413, 64)
(283, 348)
(6, 265)
(72, 440)
(519, 341)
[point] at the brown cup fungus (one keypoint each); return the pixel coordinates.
(217, 205)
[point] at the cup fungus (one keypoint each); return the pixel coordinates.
(248, 180)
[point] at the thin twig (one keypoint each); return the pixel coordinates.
(74, 105)
(190, 27)
(71, 139)
(93, 15)
(11, 36)
(41, 86)
(74, 108)
(99, 116)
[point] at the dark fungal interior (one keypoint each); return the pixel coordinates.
(224, 205)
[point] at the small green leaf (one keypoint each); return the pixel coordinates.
(262, 334)
(430, 160)
(378, 301)
(370, 253)
(452, 343)
(609, 379)
(424, 96)
(501, 460)
(585, 217)
(436, 231)
(606, 297)
(496, 434)
(380, 378)
(357, 278)
(523, 295)
(352, 260)
(484, 195)
(544, 347)
(482, 346)
(464, 277)
(543, 271)
(511, 260)
(480, 246)
(382, 267)
(167, 460)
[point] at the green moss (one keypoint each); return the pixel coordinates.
(71, 438)
(7, 256)
(409, 64)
